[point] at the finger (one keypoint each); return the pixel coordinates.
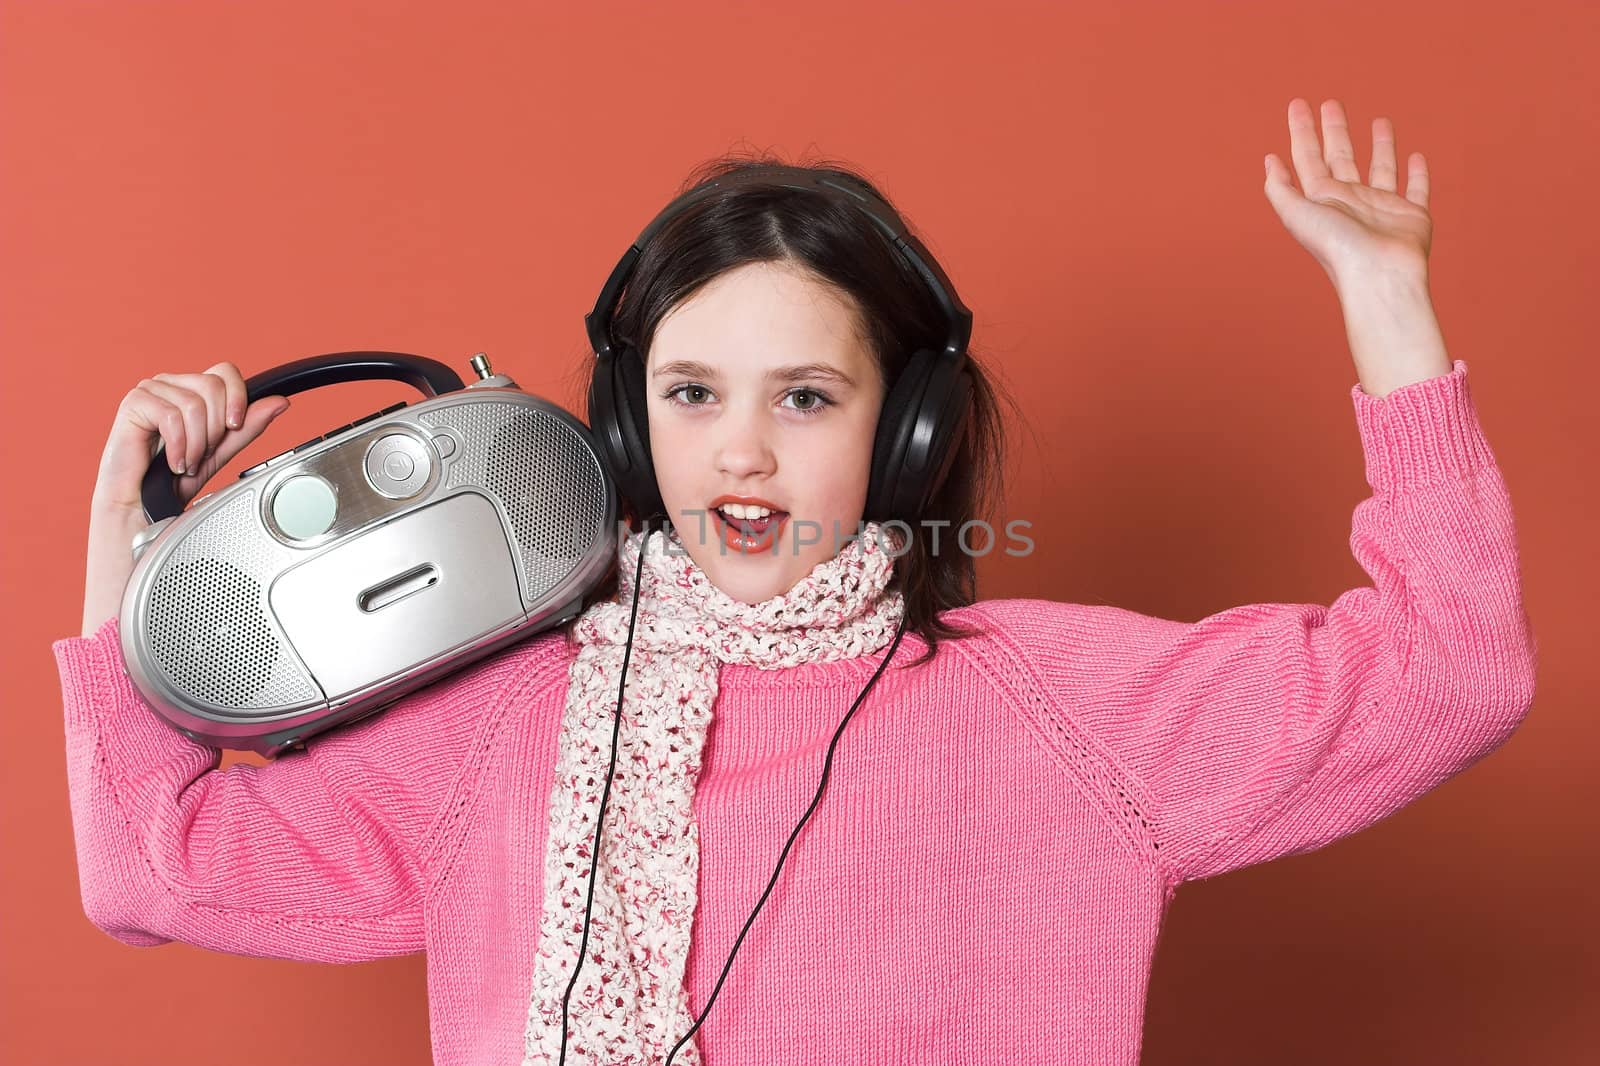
(256, 418)
(209, 391)
(1381, 175)
(1277, 174)
(1285, 199)
(155, 406)
(1336, 146)
(1303, 148)
(238, 395)
(1417, 180)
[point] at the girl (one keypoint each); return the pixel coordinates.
(1011, 810)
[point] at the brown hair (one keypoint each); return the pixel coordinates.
(840, 247)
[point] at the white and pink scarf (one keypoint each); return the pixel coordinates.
(629, 1007)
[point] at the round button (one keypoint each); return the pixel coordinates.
(398, 465)
(304, 506)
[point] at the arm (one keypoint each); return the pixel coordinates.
(320, 855)
(1275, 728)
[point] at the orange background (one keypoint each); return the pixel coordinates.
(189, 182)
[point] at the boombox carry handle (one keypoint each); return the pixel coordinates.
(429, 376)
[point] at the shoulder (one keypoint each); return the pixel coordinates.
(508, 676)
(1039, 625)
(1001, 635)
(539, 660)
(1061, 640)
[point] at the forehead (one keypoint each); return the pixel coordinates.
(761, 315)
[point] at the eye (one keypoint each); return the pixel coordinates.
(819, 402)
(672, 394)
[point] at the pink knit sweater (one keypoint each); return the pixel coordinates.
(1003, 828)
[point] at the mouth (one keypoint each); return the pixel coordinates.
(746, 532)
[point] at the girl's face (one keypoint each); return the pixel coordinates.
(759, 386)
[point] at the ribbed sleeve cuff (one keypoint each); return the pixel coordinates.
(1421, 433)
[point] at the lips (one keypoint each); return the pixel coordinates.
(747, 535)
(748, 501)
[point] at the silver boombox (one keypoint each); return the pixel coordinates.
(366, 563)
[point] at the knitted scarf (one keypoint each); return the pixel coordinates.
(629, 1007)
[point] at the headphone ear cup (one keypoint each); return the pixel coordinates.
(934, 393)
(889, 442)
(603, 416)
(618, 420)
(950, 394)
(632, 411)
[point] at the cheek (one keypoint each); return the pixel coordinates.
(672, 453)
(837, 474)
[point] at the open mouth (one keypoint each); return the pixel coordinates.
(749, 534)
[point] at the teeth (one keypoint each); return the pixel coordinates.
(739, 510)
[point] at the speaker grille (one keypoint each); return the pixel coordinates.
(210, 627)
(556, 504)
(221, 634)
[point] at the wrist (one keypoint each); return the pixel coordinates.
(1393, 332)
(1384, 288)
(112, 526)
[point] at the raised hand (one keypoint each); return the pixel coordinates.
(203, 420)
(1359, 233)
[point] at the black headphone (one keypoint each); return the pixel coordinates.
(923, 419)
(924, 416)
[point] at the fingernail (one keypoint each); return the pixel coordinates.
(180, 465)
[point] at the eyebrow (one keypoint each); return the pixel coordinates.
(801, 372)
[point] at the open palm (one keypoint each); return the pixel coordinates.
(1357, 232)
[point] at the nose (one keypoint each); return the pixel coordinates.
(743, 445)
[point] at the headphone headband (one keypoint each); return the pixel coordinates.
(598, 321)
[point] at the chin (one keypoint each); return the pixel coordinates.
(751, 580)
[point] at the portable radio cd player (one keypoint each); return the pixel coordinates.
(331, 580)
